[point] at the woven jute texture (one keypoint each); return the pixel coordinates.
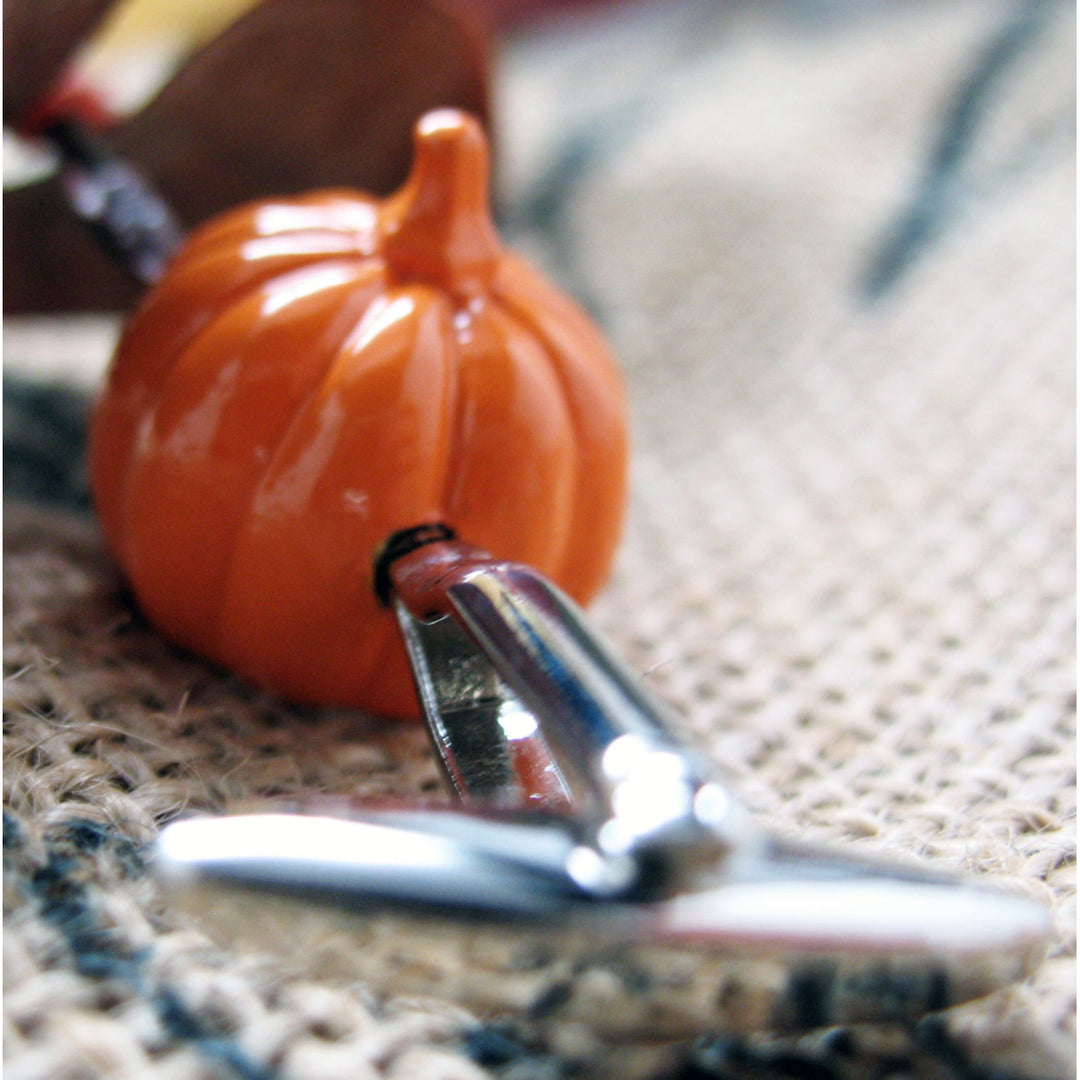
(834, 248)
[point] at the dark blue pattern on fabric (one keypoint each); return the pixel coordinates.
(946, 190)
(59, 890)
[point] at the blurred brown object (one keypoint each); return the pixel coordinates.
(293, 96)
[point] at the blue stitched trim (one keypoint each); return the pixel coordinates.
(66, 903)
(944, 188)
(500, 1047)
(590, 139)
(837, 1054)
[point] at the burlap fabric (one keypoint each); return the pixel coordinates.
(834, 247)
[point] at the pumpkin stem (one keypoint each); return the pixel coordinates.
(438, 225)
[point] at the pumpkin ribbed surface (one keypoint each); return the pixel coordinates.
(312, 375)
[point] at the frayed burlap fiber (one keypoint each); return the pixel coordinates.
(834, 249)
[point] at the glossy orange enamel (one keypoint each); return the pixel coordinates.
(314, 374)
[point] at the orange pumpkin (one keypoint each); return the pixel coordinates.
(313, 374)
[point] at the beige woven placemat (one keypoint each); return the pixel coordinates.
(834, 246)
